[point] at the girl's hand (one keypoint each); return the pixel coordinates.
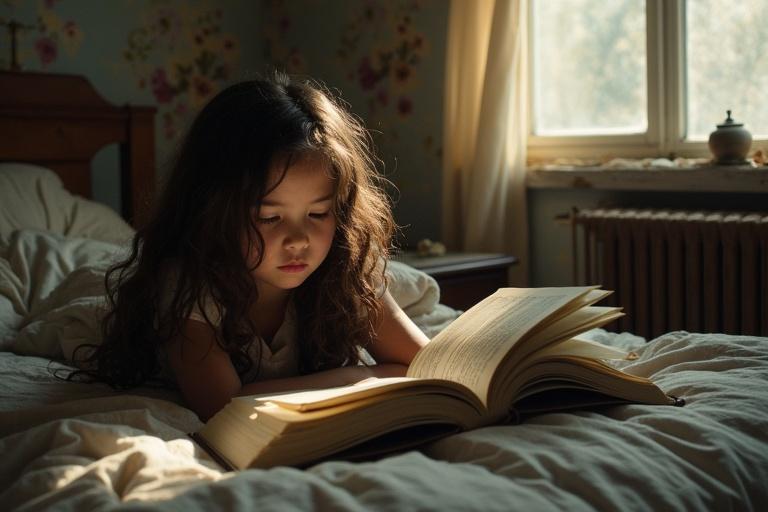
(343, 376)
(380, 371)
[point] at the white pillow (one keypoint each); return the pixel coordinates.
(415, 292)
(418, 294)
(33, 197)
(52, 291)
(67, 318)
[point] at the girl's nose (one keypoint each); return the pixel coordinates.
(296, 239)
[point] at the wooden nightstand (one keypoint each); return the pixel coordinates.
(464, 278)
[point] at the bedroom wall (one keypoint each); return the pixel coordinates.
(173, 54)
(385, 57)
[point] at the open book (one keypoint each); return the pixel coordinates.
(513, 354)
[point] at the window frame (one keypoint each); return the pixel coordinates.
(666, 83)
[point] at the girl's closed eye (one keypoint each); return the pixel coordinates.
(276, 218)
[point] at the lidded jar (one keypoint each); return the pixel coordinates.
(730, 143)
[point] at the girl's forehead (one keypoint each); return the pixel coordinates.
(308, 175)
(305, 162)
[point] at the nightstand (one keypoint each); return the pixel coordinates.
(464, 278)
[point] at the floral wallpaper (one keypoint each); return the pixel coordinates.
(385, 57)
(184, 56)
(53, 37)
(175, 54)
(383, 63)
(172, 54)
(281, 37)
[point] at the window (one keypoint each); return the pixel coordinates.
(642, 78)
(726, 46)
(590, 77)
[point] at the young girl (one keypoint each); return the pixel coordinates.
(262, 269)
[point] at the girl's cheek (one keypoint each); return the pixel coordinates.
(250, 249)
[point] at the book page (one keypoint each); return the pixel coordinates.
(469, 350)
(583, 347)
(312, 399)
(587, 373)
(506, 384)
(315, 399)
(569, 326)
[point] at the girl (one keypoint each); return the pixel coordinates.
(262, 267)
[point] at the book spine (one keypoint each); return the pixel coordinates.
(207, 448)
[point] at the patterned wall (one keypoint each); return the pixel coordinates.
(174, 54)
(385, 57)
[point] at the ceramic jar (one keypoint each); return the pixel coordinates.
(730, 143)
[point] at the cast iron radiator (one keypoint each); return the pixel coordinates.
(697, 271)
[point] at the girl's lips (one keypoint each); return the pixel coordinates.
(293, 268)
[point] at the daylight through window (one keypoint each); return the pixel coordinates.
(649, 77)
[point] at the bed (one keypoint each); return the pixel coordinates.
(79, 446)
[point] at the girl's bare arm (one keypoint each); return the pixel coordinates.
(397, 337)
(325, 379)
(207, 379)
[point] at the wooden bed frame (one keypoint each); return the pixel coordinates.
(60, 122)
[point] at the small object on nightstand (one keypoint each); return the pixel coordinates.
(464, 278)
(427, 247)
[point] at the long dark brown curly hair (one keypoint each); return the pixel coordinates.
(219, 176)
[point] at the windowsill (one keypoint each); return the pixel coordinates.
(709, 178)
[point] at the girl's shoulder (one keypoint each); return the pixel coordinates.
(203, 307)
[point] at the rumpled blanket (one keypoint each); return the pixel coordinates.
(76, 446)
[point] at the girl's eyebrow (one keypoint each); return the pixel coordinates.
(267, 202)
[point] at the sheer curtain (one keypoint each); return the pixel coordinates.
(484, 195)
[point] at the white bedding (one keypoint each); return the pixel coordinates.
(81, 446)
(76, 446)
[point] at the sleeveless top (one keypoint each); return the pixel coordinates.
(275, 360)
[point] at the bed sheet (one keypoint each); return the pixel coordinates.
(84, 447)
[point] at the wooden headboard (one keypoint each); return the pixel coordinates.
(60, 122)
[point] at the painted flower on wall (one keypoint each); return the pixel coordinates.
(278, 51)
(182, 55)
(56, 33)
(381, 50)
(49, 35)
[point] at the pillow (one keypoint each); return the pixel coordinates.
(413, 290)
(33, 197)
(67, 318)
(418, 294)
(51, 284)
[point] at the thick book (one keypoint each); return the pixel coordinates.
(514, 354)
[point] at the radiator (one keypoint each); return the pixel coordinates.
(692, 270)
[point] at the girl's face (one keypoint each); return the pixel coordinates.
(297, 224)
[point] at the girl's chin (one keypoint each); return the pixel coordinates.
(286, 283)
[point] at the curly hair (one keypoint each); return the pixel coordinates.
(219, 176)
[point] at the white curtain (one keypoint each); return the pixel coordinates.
(484, 195)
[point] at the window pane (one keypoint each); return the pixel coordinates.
(726, 46)
(589, 67)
